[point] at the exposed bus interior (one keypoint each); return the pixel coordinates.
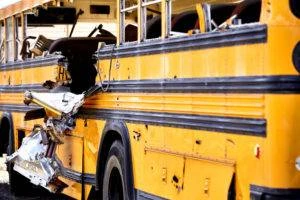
(187, 17)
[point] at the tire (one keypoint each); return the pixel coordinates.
(7, 147)
(113, 180)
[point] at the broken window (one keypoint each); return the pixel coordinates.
(242, 13)
(9, 39)
(128, 21)
(152, 19)
(148, 19)
(199, 18)
(141, 20)
(74, 45)
(2, 41)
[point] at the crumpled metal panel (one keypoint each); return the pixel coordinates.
(60, 103)
(36, 158)
(31, 161)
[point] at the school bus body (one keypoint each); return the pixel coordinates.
(206, 115)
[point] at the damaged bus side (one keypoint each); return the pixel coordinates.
(47, 49)
(157, 99)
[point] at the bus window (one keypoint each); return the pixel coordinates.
(188, 17)
(19, 34)
(9, 39)
(128, 21)
(2, 38)
(141, 20)
(149, 19)
(152, 18)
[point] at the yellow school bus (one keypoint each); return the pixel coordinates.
(178, 99)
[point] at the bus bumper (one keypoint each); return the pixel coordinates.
(265, 193)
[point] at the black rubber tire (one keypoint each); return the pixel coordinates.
(7, 146)
(113, 180)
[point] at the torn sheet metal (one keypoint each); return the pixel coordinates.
(36, 158)
(59, 103)
(32, 162)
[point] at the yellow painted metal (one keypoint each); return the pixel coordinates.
(71, 152)
(73, 190)
(215, 161)
(51, 111)
(235, 105)
(206, 104)
(36, 75)
(201, 17)
(202, 162)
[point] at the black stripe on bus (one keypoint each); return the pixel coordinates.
(17, 108)
(232, 125)
(238, 36)
(235, 125)
(284, 84)
(78, 177)
(246, 84)
(22, 88)
(258, 192)
(30, 63)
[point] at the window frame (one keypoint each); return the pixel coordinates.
(141, 8)
(11, 35)
(2, 41)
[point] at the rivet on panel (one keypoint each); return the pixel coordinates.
(164, 175)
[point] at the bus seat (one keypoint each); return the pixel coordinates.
(154, 27)
(185, 21)
(42, 44)
(25, 47)
(131, 33)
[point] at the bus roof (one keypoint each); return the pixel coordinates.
(19, 6)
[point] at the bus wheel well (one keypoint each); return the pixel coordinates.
(114, 131)
(6, 134)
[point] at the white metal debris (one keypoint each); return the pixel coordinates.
(36, 158)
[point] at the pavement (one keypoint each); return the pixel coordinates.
(5, 193)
